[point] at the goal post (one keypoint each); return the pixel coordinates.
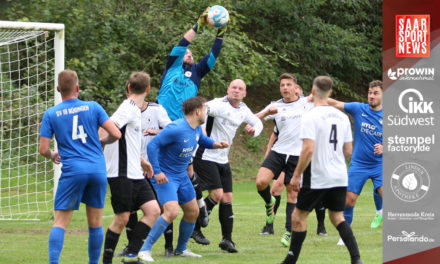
(31, 56)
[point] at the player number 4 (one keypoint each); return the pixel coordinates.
(333, 136)
(75, 129)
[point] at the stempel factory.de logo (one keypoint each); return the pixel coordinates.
(412, 35)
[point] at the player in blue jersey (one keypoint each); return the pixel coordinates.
(169, 154)
(366, 161)
(83, 178)
(180, 81)
(182, 77)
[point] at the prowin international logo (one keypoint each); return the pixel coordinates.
(410, 182)
(412, 106)
(406, 237)
(413, 74)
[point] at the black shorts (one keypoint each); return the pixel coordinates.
(213, 175)
(128, 195)
(277, 163)
(332, 198)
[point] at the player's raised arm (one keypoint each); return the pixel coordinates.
(254, 126)
(336, 103)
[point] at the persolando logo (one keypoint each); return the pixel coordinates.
(414, 74)
(406, 237)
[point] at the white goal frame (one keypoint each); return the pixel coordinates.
(58, 29)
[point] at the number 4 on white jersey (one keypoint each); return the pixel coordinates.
(75, 129)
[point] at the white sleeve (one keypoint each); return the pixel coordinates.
(308, 130)
(164, 119)
(255, 122)
(213, 108)
(123, 115)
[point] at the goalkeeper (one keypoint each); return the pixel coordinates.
(180, 81)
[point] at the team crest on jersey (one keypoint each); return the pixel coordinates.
(197, 137)
(188, 74)
(380, 121)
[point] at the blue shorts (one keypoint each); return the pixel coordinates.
(179, 188)
(86, 188)
(358, 175)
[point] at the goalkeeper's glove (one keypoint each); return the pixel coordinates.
(221, 31)
(202, 19)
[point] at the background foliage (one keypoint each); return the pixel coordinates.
(107, 39)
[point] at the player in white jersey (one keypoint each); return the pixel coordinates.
(286, 113)
(327, 142)
(153, 119)
(225, 115)
(125, 171)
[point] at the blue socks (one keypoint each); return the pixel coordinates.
(156, 231)
(348, 214)
(377, 200)
(185, 231)
(96, 237)
(56, 241)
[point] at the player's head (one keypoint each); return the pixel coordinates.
(236, 90)
(322, 87)
(68, 83)
(375, 94)
(288, 86)
(188, 58)
(138, 83)
(194, 107)
(299, 90)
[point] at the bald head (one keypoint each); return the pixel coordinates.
(236, 91)
(67, 82)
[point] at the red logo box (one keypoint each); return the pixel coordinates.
(412, 35)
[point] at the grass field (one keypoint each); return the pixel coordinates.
(26, 242)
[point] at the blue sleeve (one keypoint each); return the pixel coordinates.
(205, 141)
(46, 129)
(177, 53)
(352, 108)
(208, 62)
(165, 137)
(102, 115)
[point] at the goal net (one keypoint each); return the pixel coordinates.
(31, 55)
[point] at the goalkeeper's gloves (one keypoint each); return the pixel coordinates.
(221, 31)
(202, 19)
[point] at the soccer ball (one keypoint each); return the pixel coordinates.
(218, 16)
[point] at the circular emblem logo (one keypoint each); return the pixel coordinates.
(188, 74)
(410, 182)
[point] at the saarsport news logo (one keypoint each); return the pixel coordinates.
(412, 74)
(412, 237)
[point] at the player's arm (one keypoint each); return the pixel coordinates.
(146, 166)
(108, 132)
(209, 143)
(347, 149)
(303, 162)
(254, 126)
(268, 111)
(47, 152)
(378, 149)
(338, 104)
(272, 140)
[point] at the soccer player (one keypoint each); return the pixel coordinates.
(130, 190)
(367, 154)
(75, 124)
(182, 77)
(169, 153)
(225, 115)
(327, 143)
(153, 119)
(180, 81)
(287, 113)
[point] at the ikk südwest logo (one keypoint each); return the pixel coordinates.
(412, 35)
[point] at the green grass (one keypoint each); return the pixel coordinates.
(26, 242)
